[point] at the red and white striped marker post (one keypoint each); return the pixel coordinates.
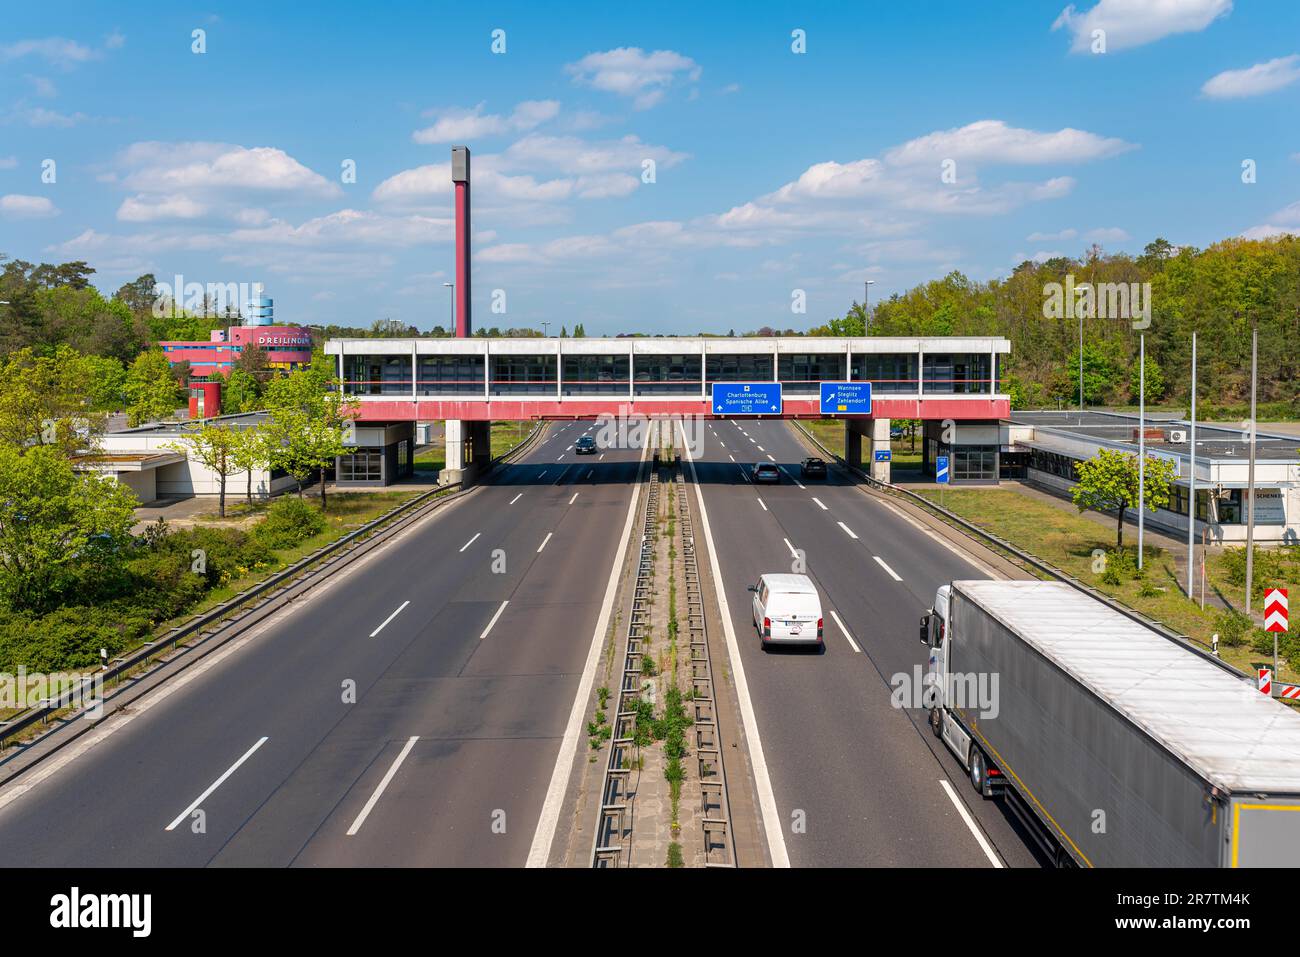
(1275, 609)
(1265, 680)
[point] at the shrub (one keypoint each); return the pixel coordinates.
(289, 521)
(1234, 628)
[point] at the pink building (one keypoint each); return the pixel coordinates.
(287, 347)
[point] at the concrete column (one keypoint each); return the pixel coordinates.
(468, 450)
(413, 367)
(880, 471)
(453, 469)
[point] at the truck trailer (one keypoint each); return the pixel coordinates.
(1117, 745)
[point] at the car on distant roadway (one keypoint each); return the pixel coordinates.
(813, 467)
(896, 432)
(586, 445)
(787, 611)
(766, 472)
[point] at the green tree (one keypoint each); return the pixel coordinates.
(1099, 376)
(250, 453)
(55, 525)
(1109, 480)
(1155, 381)
(241, 393)
(152, 391)
(214, 446)
(309, 418)
(43, 400)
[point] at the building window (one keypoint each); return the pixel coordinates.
(965, 374)
(588, 375)
(449, 375)
(513, 375)
(670, 374)
(366, 464)
(887, 372)
(1053, 463)
(802, 372)
(743, 367)
(975, 463)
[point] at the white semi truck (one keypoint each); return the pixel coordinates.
(1123, 748)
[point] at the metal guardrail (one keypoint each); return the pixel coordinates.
(1037, 564)
(245, 603)
(715, 805)
(613, 828)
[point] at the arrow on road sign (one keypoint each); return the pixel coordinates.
(1275, 609)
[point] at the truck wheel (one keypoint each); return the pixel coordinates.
(936, 722)
(978, 771)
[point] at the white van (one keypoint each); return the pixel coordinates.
(787, 610)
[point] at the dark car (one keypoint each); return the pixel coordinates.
(813, 468)
(585, 446)
(766, 472)
(896, 432)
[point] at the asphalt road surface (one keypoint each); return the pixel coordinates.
(460, 703)
(857, 781)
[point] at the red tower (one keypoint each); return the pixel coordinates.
(460, 176)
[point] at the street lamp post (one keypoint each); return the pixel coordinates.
(866, 303)
(452, 287)
(545, 323)
(1142, 440)
(1191, 481)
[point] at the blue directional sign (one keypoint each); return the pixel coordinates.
(884, 455)
(846, 398)
(941, 469)
(747, 398)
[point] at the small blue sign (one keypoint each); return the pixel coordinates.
(883, 456)
(846, 398)
(941, 469)
(746, 398)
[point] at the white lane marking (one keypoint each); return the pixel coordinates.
(569, 449)
(214, 785)
(602, 457)
(561, 457)
(770, 459)
(394, 614)
(761, 449)
(848, 531)
(846, 631)
(970, 824)
(969, 559)
(476, 535)
(543, 475)
(772, 824)
(793, 553)
(574, 499)
(764, 504)
(383, 786)
(494, 619)
(730, 456)
(544, 541)
(590, 473)
(544, 836)
(792, 478)
(819, 502)
(516, 498)
(881, 562)
(751, 438)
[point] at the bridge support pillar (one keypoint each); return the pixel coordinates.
(468, 451)
(874, 434)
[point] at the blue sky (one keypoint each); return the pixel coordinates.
(774, 171)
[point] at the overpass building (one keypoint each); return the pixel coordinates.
(476, 380)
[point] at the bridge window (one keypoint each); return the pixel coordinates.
(887, 372)
(975, 463)
(518, 375)
(377, 375)
(670, 374)
(594, 375)
(965, 374)
(746, 367)
(449, 375)
(801, 372)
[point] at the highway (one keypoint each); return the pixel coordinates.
(857, 782)
(464, 681)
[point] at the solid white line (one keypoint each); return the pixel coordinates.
(516, 498)
(881, 562)
(574, 499)
(383, 786)
(819, 502)
(494, 619)
(215, 784)
(793, 553)
(849, 531)
(970, 823)
(762, 779)
(544, 541)
(395, 614)
(544, 836)
(846, 631)
(476, 535)
(764, 504)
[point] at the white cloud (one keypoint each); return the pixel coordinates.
(41, 86)
(1067, 233)
(348, 226)
(8, 162)
(1254, 81)
(56, 50)
(631, 72)
(41, 117)
(114, 41)
(1112, 234)
(574, 155)
(155, 167)
(1133, 23)
(148, 209)
(995, 142)
(18, 206)
(1270, 231)
(461, 125)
